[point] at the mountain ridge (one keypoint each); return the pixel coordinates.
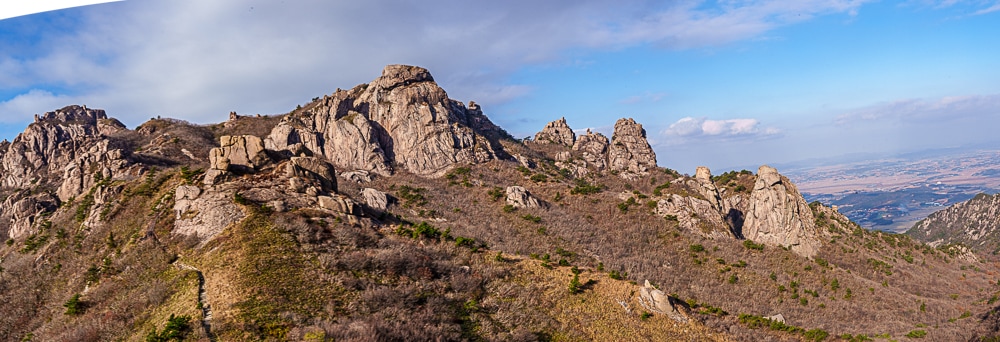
(392, 212)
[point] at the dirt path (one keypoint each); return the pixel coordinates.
(206, 308)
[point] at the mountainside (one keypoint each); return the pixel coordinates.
(972, 223)
(391, 212)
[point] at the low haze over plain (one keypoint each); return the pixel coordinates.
(732, 83)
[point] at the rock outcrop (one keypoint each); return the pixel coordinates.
(630, 153)
(519, 197)
(694, 214)
(67, 151)
(375, 199)
(54, 141)
(655, 300)
(778, 215)
(703, 176)
(557, 132)
(21, 212)
(402, 119)
(594, 149)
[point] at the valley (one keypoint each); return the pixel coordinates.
(893, 194)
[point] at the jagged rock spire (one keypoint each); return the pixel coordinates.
(557, 132)
(778, 215)
(630, 153)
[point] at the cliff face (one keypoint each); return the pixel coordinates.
(973, 223)
(777, 214)
(63, 153)
(402, 119)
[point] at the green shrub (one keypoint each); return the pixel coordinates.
(919, 333)
(74, 306)
(615, 275)
(584, 188)
(696, 248)
(412, 196)
(539, 178)
(496, 193)
(531, 218)
(176, 329)
(749, 244)
(816, 335)
(509, 208)
(575, 285)
(658, 191)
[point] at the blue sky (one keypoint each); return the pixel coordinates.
(727, 84)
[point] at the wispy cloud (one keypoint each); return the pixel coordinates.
(926, 110)
(991, 9)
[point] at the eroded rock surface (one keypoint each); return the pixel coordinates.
(402, 119)
(778, 215)
(594, 149)
(630, 153)
(557, 132)
(375, 199)
(656, 301)
(519, 197)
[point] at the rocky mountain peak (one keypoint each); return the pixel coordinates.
(403, 119)
(399, 75)
(73, 114)
(630, 153)
(557, 132)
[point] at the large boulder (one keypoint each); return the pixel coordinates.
(375, 199)
(630, 153)
(314, 168)
(402, 119)
(519, 197)
(778, 215)
(655, 300)
(557, 132)
(242, 154)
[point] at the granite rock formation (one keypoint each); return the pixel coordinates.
(778, 215)
(630, 153)
(557, 132)
(402, 119)
(519, 197)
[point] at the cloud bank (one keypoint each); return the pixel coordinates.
(198, 60)
(689, 128)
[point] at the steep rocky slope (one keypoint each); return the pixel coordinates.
(973, 223)
(392, 212)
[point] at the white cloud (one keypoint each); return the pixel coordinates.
(689, 128)
(27, 102)
(991, 9)
(198, 60)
